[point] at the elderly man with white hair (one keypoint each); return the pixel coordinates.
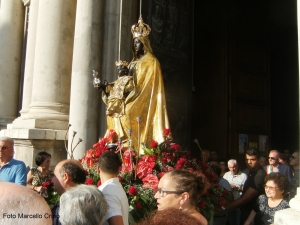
(83, 204)
(236, 179)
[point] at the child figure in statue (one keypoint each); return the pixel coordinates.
(115, 93)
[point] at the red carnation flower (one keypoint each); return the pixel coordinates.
(154, 144)
(222, 202)
(46, 184)
(150, 181)
(216, 185)
(120, 178)
(89, 181)
(175, 147)
(138, 205)
(224, 192)
(98, 183)
(164, 160)
(202, 204)
(166, 131)
(132, 190)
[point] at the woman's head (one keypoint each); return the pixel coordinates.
(43, 159)
(276, 184)
(169, 216)
(223, 165)
(178, 188)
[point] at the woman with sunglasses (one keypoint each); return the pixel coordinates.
(182, 189)
(276, 185)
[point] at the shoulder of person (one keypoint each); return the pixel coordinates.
(262, 197)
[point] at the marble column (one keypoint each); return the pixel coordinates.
(52, 64)
(84, 107)
(43, 127)
(11, 38)
(30, 52)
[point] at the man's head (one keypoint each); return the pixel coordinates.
(214, 156)
(109, 163)
(233, 166)
(263, 160)
(252, 159)
(89, 203)
(6, 149)
(294, 160)
(68, 173)
(273, 157)
(17, 200)
(206, 155)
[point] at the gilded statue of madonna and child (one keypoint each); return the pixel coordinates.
(137, 94)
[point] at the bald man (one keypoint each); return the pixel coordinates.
(20, 205)
(67, 174)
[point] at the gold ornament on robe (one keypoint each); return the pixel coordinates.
(146, 99)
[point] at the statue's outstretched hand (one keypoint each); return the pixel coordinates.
(96, 80)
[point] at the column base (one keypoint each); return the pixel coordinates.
(28, 142)
(20, 123)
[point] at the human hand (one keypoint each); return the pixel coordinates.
(39, 189)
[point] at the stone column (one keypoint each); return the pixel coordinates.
(84, 107)
(43, 127)
(52, 64)
(11, 38)
(30, 52)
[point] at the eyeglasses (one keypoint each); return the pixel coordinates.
(163, 193)
(272, 158)
(3, 148)
(293, 157)
(270, 188)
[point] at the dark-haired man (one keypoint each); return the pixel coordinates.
(253, 186)
(112, 189)
(67, 174)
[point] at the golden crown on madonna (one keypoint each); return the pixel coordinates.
(140, 29)
(121, 63)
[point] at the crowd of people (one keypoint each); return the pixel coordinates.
(261, 189)
(258, 191)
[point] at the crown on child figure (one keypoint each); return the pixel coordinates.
(121, 63)
(140, 29)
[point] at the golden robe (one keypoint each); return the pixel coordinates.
(146, 100)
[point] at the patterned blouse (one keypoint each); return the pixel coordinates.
(264, 213)
(38, 178)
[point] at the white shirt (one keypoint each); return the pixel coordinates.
(238, 180)
(116, 199)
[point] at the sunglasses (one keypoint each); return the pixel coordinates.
(270, 188)
(272, 158)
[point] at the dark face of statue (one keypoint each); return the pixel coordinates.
(122, 71)
(138, 45)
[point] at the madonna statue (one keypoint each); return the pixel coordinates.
(146, 101)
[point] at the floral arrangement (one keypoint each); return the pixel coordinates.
(140, 177)
(50, 194)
